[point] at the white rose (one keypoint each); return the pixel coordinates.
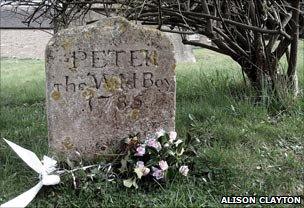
(172, 136)
(184, 170)
(160, 133)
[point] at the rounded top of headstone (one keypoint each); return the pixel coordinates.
(112, 29)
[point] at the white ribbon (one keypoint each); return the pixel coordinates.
(45, 168)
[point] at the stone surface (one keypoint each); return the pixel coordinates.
(106, 81)
(183, 53)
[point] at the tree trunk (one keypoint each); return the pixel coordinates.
(292, 61)
(269, 79)
(261, 70)
(260, 79)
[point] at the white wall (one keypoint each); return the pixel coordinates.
(24, 43)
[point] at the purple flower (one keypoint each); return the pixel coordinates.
(154, 143)
(140, 164)
(163, 165)
(157, 173)
(140, 151)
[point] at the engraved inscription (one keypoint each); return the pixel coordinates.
(107, 84)
(110, 82)
(114, 58)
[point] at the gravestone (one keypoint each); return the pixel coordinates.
(106, 81)
(183, 53)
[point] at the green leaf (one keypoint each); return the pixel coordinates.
(123, 165)
(188, 139)
(138, 172)
(70, 163)
(170, 152)
(181, 152)
(124, 162)
(95, 171)
(164, 139)
(135, 184)
(191, 117)
(128, 183)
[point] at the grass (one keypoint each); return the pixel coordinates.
(245, 150)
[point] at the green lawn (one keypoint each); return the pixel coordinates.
(244, 149)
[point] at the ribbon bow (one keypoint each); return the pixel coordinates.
(45, 168)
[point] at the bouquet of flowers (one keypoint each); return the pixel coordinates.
(155, 158)
(158, 157)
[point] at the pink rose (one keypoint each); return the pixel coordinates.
(154, 143)
(140, 151)
(172, 136)
(140, 164)
(157, 173)
(163, 165)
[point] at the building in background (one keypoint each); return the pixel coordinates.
(19, 40)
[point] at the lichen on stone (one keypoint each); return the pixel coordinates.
(67, 144)
(66, 44)
(135, 114)
(55, 95)
(89, 93)
(112, 84)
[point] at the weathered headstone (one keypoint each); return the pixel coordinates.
(183, 53)
(105, 82)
